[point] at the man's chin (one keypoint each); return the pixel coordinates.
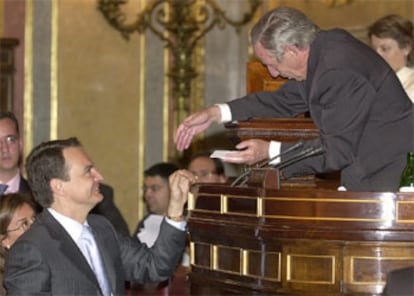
(8, 165)
(98, 197)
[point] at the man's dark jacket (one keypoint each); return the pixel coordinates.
(364, 116)
(400, 282)
(46, 261)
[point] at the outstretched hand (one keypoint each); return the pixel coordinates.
(252, 151)
(194, 125)
(180, 182)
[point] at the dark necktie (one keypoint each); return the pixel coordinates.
(3, 188)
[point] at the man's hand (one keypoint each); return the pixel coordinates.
(194, 125)
(253, 151)
(180, 182)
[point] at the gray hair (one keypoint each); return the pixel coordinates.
(281, 27)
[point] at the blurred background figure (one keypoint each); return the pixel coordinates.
(156, 193)
(206, 169)
(392, 37)
(17, 214)
(11, 180)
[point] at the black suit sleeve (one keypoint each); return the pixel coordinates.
(400, 282)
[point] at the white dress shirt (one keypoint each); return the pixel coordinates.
(406, 77)
(274, 147)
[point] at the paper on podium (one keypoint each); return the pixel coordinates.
(224, 154)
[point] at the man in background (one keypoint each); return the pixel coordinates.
(207, 169)
(156, 192)
(11, 179)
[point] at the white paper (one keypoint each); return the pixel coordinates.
(223, 153)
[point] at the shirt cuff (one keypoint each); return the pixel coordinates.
(181, 225)
(225, 112)
(274, 149)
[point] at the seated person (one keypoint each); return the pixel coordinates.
(206, 169)
(17, 213)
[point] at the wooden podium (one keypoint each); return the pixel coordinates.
(299, 237)
(301, 241)
(295, 237)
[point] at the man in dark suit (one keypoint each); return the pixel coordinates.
(364, 116)
(400, 282)
(10, 175)
(11, 154)
(47, 259)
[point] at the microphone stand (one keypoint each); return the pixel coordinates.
(311, 151)
(298, 145)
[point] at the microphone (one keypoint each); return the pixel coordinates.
(298, 145)
(308, 152)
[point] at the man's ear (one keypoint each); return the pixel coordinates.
(291, 49)
(57, 186)
(406, 50)
(5, 243)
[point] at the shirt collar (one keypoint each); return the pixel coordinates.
(13, 184)
(73, 227)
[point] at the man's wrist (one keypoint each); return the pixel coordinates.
(176, 218)
(225, 113)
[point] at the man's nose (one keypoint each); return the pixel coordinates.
(97, 175)
(274, 73)
(4, 147)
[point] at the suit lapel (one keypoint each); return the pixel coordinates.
(106, 255)
(66, 244)
(23, 185)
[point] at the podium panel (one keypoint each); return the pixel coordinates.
(255, 241)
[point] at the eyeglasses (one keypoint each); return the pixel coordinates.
(23, 225)
(9, 140)
(203, 174)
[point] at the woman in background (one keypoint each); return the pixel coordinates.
(17, 214)
(392, 37)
